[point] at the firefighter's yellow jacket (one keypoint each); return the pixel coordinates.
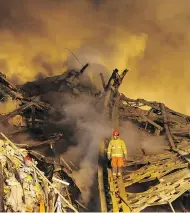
(117, 148)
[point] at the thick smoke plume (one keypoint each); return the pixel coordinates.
(91, 129)
(151, 38)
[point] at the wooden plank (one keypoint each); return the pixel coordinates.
(122, 195)
(113, 192)
(15, 112)
(151, 122)
(35, 144)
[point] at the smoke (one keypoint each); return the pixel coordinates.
(137, 140)
(154, 145)
(151, 38)
(96, 66)
(90, 129)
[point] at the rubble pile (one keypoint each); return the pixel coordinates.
(49, 183)
(149, 181)
(156, 118)
(25, 187)
(45, 183)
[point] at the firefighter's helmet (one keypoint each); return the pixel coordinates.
(115, 133)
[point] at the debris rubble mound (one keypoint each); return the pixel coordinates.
(25, 187)
(156, 175)
(44, 179)
(34, 165)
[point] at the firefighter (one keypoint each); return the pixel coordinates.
(117, 152)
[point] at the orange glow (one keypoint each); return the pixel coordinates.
(149, 38)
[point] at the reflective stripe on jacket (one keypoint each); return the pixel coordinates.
(117, 148)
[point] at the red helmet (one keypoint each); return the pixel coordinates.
(28, 161)
(115, 133)
(27, 158)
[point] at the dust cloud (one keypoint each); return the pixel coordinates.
(151, 38)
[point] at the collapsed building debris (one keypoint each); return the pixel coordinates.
(25, 187)
(162, 178)
(165, 177)
(33, 114)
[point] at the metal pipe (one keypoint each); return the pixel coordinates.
(60, 181)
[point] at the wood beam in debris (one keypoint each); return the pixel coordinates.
(168, 133)
(28, 104)
(15, 112)
(139, 114)
(36, 144)
(66, 164)
(83, 69)
(9, 87)
(7, 82)
(176, 113)
(158, 127)
(154, 105)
